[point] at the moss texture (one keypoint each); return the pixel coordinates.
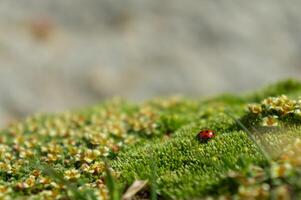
(66, 156)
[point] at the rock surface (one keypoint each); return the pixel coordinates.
(62, 54)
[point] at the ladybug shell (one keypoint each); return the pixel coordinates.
(205, 135)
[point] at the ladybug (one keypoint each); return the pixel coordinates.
(205, 135)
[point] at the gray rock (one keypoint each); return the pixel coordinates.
(56, 54)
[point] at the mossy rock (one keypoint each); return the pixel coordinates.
(66, 156)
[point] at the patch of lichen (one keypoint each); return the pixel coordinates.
(62, 156)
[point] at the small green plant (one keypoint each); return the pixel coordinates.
(274, 110)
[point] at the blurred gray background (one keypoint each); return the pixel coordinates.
(61, 54)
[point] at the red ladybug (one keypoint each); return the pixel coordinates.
(205, 135)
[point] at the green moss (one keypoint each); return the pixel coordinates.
(289, 87)
(153, 141)
(186, 168)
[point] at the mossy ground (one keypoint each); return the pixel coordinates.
(154, 141)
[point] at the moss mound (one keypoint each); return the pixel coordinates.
(100, 151)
